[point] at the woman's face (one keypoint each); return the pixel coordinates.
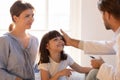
(25, 19)
(55, 45)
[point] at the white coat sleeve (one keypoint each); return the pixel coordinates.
(106, 72)
(98, 47)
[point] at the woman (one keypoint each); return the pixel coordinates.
(53, 61)
(18, 48)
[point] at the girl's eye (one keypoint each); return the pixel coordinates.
(55, 39)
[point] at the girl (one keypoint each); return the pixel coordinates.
(53, 61)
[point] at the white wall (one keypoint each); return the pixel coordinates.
(75, 29)
(93, 28)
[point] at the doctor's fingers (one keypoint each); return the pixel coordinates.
(94, 63)
(65, 35)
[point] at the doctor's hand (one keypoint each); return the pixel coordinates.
(96, 63)
(68, 40)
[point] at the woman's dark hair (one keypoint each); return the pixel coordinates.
(18, 7)
(111, 6)
(44, 53)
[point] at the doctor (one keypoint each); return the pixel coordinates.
(110, 10)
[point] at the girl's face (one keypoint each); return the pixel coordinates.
(25, 19)
(55, 45)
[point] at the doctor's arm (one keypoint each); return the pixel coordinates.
(90, 47)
